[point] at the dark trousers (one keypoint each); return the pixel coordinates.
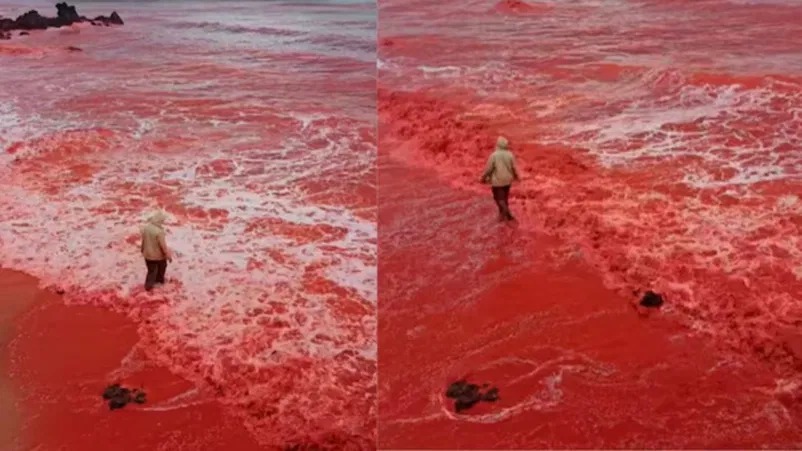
(156, 270)
(501, 195)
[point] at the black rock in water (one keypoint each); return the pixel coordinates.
(651, 299)
(117, 403)
(66, 15)
(458, 388)
(467, 395)
(139, 397)
(116, 19)
(119, 396)
(31, 20)
(111, 391)
(113, 19)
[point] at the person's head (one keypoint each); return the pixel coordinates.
(502, 143)
(157, 217)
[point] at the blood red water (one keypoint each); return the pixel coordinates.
(653, 158)
(254, 129)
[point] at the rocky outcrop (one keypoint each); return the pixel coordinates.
(66, 15)
(113, 19)
(30, 21)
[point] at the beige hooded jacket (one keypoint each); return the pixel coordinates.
(154, 246)
(500, 169)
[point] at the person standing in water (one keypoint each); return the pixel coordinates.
(155, 250)
(500, 172)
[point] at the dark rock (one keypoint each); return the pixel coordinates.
(31, 21)
(116, 19)
(117, 403)
(465, 395)
(75, 49)
(457, 388)
(119, 396)
(139, 397)
(4, 35)
(112, 391)
(651, 299)
(468, 395)
(23, 33)
(113, 19)
(67, 14)
(466, 401)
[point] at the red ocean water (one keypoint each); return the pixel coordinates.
(252, 124)
(658, 142)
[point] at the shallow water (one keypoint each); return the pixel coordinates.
(254, 128)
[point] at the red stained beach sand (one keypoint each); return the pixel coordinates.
(62, 357)
(653, 159)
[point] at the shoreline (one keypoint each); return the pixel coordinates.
(19, 296)
(56, 361)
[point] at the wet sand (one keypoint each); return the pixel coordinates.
(17, 295)
(56, 360)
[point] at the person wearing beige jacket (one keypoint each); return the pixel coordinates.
(154, 249)
(500, 172)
